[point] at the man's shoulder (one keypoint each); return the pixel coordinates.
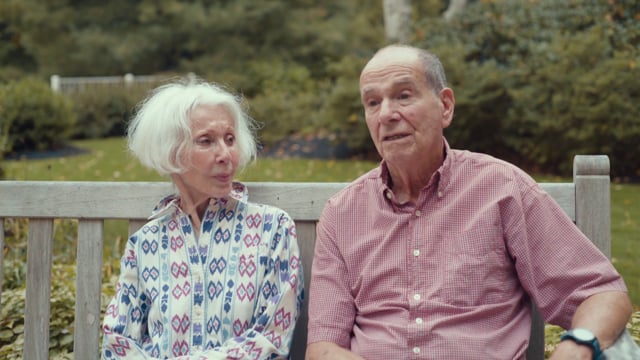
(367, 182)
(473, 161)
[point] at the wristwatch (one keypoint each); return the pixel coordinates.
(584, 337)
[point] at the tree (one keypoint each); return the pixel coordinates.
(456, 7)
(397, 20)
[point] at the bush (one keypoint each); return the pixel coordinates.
(288, 101)
(36, 117)
(104, 111)
(537, 84)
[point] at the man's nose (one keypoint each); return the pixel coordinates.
(388, 111)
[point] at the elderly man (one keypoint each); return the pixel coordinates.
(438, 253)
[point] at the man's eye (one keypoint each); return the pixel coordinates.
(372, 103)
(230, 139)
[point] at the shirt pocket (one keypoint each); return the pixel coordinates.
(477, 269)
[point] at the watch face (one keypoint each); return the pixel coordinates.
(583, 334)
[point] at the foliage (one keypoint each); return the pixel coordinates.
(37, 118)
(61, 331)
(535, 82)
(540, 83)
(104, 111)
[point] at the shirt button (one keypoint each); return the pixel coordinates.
(416, 350)
(388, 195)
(416, 297)
(416, 252)
(418, 212)
(439, 194)
(418, 321)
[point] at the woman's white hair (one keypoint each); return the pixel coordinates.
(160, 132)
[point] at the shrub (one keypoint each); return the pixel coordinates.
(104, 111)
(37, 118)
(536, 83)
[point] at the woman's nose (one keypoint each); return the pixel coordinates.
(223, 153)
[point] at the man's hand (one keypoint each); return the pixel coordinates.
(329, 351)
(569, 350)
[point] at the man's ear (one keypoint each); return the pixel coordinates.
(448, 104)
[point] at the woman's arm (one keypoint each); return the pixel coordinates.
(124, 326)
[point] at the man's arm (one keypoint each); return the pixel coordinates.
(329, 351)
(605, 314)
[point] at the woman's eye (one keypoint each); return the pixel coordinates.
(203, 141)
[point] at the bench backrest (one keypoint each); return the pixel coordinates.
(586, 200)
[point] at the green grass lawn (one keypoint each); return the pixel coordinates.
(107, 160)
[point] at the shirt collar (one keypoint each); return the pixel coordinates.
(440, 178)
(170, 203)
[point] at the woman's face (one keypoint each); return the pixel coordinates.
(212, 158)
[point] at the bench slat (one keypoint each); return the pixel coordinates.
(88, 289)
(307, 239)
(37, 311)
(1, 256)
(134, 200)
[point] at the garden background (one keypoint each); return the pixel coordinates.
(536, 83)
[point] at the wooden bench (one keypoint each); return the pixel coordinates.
(586, 200)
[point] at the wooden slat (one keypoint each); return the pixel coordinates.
(535, 351)
(1, 258)
(593, 199)
(564, 194)
(36, 324)
(88, 289)
(134, 225)
(134, 200)
(306, 241)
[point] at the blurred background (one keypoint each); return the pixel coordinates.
(536, 81)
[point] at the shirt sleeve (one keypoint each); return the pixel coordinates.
(331, 306)
(557, 264)
(124, 327)
(279, 306)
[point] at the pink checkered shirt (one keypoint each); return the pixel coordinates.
(451, 276)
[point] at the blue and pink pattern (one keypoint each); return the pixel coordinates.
(234, 293)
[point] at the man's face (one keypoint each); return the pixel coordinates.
(404, 116)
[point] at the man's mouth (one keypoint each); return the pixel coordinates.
(394, 137)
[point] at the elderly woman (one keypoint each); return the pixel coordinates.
(211, 275)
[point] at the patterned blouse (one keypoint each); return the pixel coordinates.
(234, 293)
